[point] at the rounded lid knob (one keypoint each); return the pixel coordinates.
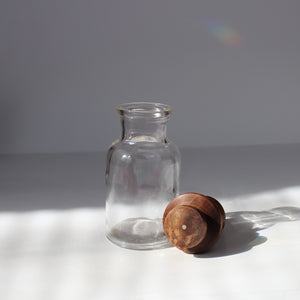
(193, 222)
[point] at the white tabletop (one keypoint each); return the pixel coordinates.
(52, 243)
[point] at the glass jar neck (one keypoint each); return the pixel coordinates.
(146, 130)
(144, 121)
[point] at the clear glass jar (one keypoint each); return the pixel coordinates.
(142, 177)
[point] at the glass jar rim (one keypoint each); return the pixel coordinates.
(144, 109)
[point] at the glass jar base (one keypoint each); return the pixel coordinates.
(139, 234)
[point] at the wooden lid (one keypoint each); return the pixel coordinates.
(193, 222)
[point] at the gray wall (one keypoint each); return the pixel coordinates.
(230, 70)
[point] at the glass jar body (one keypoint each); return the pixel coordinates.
(142, 177)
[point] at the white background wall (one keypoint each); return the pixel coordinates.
(230, 70)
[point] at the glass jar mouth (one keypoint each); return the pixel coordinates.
(144, 109)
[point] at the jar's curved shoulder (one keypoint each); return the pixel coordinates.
(114, 144)
(150, 150)
(173, 148)
(118, 146)
(120, 152)
(111, 150)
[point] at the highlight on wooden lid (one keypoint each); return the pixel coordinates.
(193, 222)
